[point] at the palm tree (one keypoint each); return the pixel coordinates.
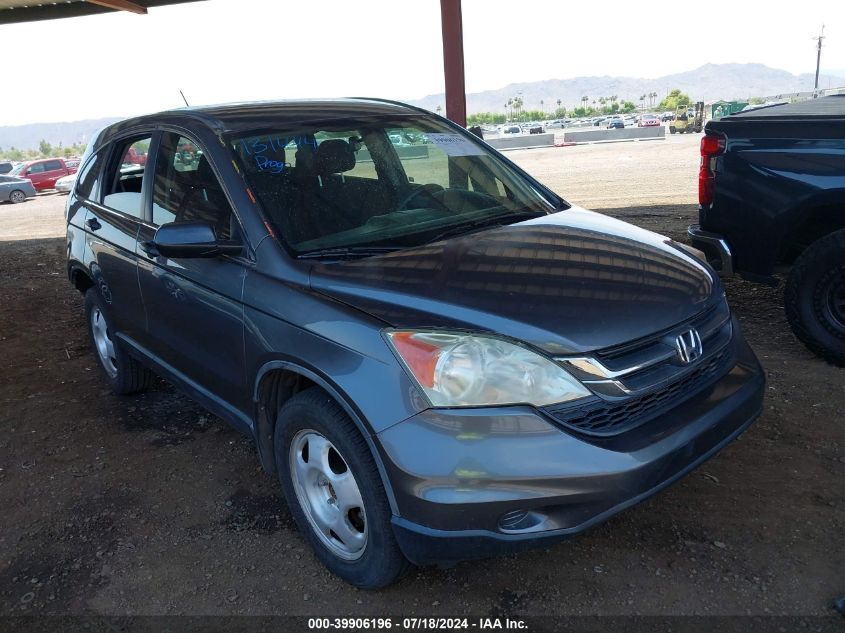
(517, 106)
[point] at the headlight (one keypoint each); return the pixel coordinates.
(463, 370)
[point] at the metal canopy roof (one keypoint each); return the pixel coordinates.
(33, 10)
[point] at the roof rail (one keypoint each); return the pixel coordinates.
(393, 102)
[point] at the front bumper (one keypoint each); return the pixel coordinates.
(715, 247)
(479, 482)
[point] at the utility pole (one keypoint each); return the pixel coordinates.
(818, 62)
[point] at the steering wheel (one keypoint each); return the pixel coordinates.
(403, 204)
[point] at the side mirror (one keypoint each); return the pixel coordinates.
(190, 239)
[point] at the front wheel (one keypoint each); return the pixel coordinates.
(815, 298)
(334, 490)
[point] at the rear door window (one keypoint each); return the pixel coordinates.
(122, 184)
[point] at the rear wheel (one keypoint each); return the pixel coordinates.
(334, 490)
(815, 298)
(672, 129)
(124, 373)
(17, 196)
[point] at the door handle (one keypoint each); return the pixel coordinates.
(94, 224)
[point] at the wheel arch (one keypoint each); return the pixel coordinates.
(278, 380)
(79, 277)
(814, 219)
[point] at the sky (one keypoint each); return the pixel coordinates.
(219, 51)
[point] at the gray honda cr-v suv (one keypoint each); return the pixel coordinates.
(437, 356)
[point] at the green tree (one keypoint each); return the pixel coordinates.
(674, 99)
(480, 118)
(517, 108)
(628, 107)
(45, 148)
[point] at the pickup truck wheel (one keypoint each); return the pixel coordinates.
(815, 298)
(672, 129)
(124, 373)
(334, 490)
(17, 196)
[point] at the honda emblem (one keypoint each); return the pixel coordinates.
(689, 346)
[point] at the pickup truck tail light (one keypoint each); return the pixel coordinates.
(711, 146)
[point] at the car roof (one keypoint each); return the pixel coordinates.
(253, 115)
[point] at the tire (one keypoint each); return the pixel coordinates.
(124, 374)
(17, 196)
(815, 298)
(340, 494)
(672, 129)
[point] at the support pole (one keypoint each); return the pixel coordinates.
(453, 61)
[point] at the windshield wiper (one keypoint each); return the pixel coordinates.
(347, 252)
(496, 220)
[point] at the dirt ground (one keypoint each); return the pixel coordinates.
(149, 505)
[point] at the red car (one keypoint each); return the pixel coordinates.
(45, 172)
(648, 120)
(134, 157)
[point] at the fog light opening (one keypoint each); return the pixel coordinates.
(517, 521)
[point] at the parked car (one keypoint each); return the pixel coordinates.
(43, 172)
(510, 129)
(648, 120)
(771, 190)
(616, 123)
(65, 183)
(134, 157)
(437, 356)
(5, 167)
(14, 189)
(667, 116)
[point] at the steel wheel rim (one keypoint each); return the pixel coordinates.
(328, 494)
(834, 298)
(103, 342)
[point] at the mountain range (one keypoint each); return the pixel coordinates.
(710, 82)
(67, 133)
(707, 83)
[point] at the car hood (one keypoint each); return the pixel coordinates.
(570, 282)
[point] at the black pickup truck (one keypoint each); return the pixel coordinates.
(771, 191)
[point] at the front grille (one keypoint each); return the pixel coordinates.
(603, 418)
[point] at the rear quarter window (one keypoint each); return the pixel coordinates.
(88, 181)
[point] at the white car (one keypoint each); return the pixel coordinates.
(65, 183)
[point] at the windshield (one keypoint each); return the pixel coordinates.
(381, 183)
(17, 170)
